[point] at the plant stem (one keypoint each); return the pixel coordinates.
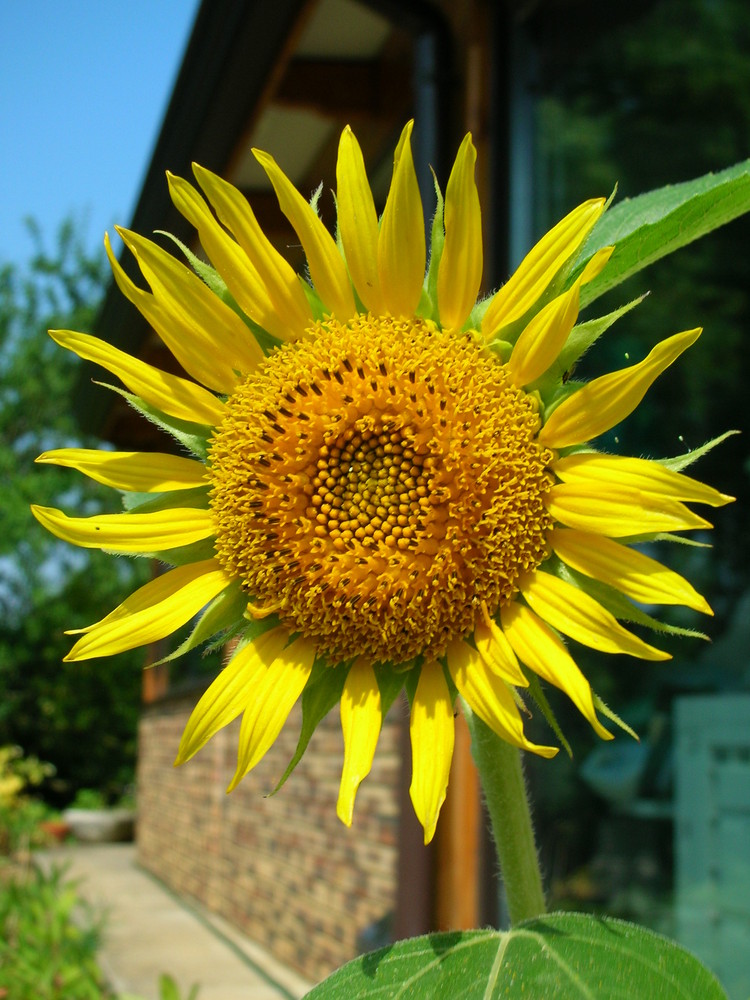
(501, 774)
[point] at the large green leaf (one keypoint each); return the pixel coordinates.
(655, 224)
(563, 956)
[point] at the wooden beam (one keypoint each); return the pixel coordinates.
(457, 897)
(339, 88)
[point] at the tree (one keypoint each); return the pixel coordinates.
(80, 717)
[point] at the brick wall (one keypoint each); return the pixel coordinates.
(283, 869)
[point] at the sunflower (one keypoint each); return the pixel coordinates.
(390, 484)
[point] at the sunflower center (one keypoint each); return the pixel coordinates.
(371, 486)
(375, 483)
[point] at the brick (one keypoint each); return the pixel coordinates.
(283, 869)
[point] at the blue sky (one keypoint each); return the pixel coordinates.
(83, 89)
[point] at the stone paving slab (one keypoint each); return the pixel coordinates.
(149, 931)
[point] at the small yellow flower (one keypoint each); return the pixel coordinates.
(391, 484)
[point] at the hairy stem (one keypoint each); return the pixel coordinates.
(504, 787)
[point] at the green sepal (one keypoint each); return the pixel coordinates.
(558, 393)
(315, 302)
(322, 692)
(620, 606)
(502, 349)
(145, 503)
(437, 242)
(184, 554)
(315, 199)
(680, 462)
(390, 683)
(192, 436)
(411, 679)
(251, 628)
(218, 286)
(607, 712)
(582, 337)
(221, 614)
(659, 222)
(512, 331)
(267, 342)
(539, 698)
(681, 540)
(664, 536)
(477, 315)
(204, 271)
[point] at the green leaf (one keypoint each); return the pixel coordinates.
(655, 224)
(563, 956)
(322, 692)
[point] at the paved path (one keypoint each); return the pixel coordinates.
(149, 931)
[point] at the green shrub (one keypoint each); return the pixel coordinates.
(20, 816)
(48, 938)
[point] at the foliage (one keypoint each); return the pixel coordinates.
(565, 956)
(89, 798)
(48, 938)
(82, 719)
(18, 772)
(168, 990)
(20, 815)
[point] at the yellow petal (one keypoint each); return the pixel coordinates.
(539, 267)
(230, 693)
(202, 331)
(489, 697)
(327, 267)
(174, 396)
(361, 719)
(432, 732)
(639, 474)
(132, 471)
(199, 364)
(358, 222)
(631, 572)
(542, 651)
(617, 511)
(273, 693)
(287, 309)
(154, 611)
(544, 337)
(460, 271)
(576, 614)
(401, 245)
(496, 652)
(603, 403)
(237, 271)
(152, 532)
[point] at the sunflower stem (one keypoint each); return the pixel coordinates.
(504, 787)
